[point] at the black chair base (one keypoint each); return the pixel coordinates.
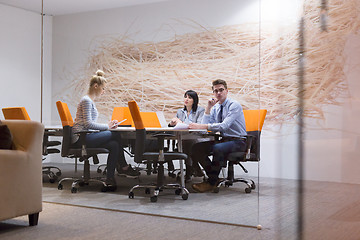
(84, 180)
(80, 182)
(99, 170)
(230, 180)
(250, 184)
(52, 175)
(156, 190)
(160, 186)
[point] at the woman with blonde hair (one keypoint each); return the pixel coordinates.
(86, 117)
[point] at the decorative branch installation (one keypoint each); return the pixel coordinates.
(156, 75)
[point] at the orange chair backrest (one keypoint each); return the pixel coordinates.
(64, 113)
(254, 119)
(121, 113)
(150, 119)
(17, 113)
(135, 114)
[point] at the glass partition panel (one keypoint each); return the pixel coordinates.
(331, 110)
(153, 53)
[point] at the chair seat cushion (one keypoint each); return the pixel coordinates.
(5, 137)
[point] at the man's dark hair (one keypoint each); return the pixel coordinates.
(219, 81)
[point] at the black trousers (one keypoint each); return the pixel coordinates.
(220, 151)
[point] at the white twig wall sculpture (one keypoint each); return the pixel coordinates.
(156, 74)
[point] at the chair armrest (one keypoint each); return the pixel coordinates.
(86, 131)
(216, 135)
(248, 143)
(82, 134)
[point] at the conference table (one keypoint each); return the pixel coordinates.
(178, 133)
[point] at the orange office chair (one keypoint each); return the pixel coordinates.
(254, 121)
(20, 113)
(82, 153)
(150, 119)
(120, 114)
(15, 113)
(159, 158)
(65, 115)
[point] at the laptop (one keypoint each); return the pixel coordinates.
(162, 119)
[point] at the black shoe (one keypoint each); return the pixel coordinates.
(130, 172)
(110, 186)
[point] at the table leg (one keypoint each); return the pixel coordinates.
(180, 147)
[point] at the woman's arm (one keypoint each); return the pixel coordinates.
(89, 115)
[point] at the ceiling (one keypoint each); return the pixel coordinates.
(63, 7)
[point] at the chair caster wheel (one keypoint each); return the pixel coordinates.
(99, 170)
(52, 180)
(248, 190)
(147, 190)
(52, 177)
(131, 195)
(177, 191)
(153, 198)
(185, 196)
(60, 186)
(58, 174)
(253, 186)
(73, 190)
(216, 190)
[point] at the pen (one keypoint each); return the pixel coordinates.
(121, 121)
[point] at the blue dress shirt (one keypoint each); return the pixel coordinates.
(233, 124)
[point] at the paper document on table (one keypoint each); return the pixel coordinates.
(181, 126)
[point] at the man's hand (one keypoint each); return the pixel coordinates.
(210, 104)
(197, 126)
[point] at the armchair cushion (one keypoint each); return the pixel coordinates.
(5, 137)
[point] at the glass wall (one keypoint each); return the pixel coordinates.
(153, 53)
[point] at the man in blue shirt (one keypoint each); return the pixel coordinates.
(226, 116)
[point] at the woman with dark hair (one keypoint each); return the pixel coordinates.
(191, 113)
